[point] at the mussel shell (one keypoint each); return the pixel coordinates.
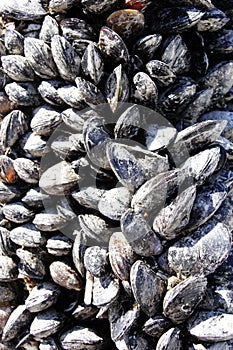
(67, 61)
(115, 202)
(148, 287)
(121, 256)
(127, 23)
(200, 253)
(211, 326)
(40, 58)
(65, 276)
(175, 19)
(180, 301)
(46, 323)
(170, 340)
(106, 290)
(23, 10)
(42, 297)
(79, 336)
(112, 45)
(17, 321)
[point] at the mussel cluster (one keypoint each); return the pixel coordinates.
(116, 179)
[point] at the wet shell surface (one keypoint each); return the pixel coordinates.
(192, 254)
(147, 286)
(126, 23)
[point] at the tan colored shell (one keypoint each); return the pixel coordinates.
(126, 23)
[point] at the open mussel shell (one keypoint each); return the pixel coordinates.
(180, 301)
(148, 287)
(201, 252)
